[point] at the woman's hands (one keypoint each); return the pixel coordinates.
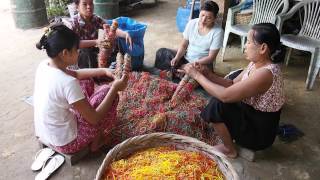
(128, 40)
(102, 43)
(204, 69)
(174, 62)
(195, 69)
(109, 73)
(191, 70)
(121, 84)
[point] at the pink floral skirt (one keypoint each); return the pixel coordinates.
(86, 131)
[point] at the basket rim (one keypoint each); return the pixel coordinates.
(194, 143)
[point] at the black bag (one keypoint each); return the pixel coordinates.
(88, 58)
(163, 58)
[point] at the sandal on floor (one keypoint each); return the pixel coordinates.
(54, 163)
(41, 157)
(289, 133)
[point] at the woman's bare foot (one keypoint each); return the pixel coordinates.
(230, 153)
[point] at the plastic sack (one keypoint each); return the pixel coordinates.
(196, 4)
(247, 5)
(136, 31)
(183, 14)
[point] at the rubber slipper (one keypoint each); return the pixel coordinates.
(54, 163)
(289, 133)
(41, 157)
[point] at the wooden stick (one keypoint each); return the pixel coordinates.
(192, 8)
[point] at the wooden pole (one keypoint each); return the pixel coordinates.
(192, 8)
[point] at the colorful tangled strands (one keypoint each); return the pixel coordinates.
(105, 49)
(164, 162)
(151, 104)
(185, 87)
(138, 143)
(123, 65)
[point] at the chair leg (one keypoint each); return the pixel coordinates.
(225, 42)
(243, 42)
(313, 69)
(287, 57)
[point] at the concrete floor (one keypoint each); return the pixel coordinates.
(19, 59)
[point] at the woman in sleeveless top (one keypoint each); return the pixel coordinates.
(247, 109)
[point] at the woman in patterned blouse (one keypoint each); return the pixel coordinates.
(86, 25)
(246, 109)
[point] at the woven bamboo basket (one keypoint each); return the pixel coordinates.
(137, 143)
(242, 18)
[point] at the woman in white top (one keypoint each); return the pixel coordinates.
(201, 42)
(69, 115)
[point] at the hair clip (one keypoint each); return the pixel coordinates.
(47, 31)
(276, 53)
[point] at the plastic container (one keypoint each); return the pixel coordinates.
(106, 8)
(136, 31)
(29, 13)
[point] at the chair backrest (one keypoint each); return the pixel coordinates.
(311, 18)
(267, 10)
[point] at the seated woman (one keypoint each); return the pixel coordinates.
(69, 115)
(202, 39)
(86, 25)
(246, 109)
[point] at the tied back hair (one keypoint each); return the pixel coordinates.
(268, 33)
(57, 38)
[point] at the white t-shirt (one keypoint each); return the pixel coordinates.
(54, 93)
(200, 45)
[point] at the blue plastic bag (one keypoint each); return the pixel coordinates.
(248, 4)
(136, 31)
(183, 15)
(196, 4)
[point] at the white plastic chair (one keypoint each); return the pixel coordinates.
(263, 11)
(308, 39)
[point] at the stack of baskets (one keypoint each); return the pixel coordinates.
(143, 142)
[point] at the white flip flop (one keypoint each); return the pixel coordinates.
(54, 163)
(41, 157)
